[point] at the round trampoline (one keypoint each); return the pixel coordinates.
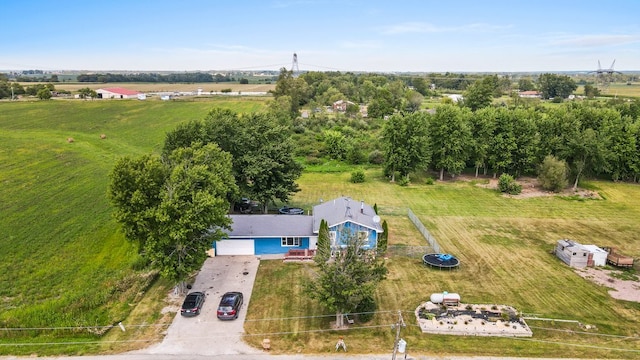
(441, 261)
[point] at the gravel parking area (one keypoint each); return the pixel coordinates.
(205, 334)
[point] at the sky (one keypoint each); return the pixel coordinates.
(326, 35)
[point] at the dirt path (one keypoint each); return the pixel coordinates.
(620, 289)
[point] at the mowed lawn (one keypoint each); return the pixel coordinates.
(504, 245)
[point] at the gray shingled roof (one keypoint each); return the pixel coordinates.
(271, 225)
(345, 209)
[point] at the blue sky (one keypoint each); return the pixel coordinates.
(398, 35)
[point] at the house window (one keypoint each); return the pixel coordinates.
(363, 235)
(290, 241)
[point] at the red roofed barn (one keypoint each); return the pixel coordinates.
(117, 93)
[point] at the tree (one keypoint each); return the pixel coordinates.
(323, 247)
(450, 137)
(481, 123)
(335, 144)
(261, 149)
(174, 207)
(556, 86)
(406, 144)
(413, 101)
(591, 91)
(553, 174)
(350, 279)
(478, 95)
(503, 143)
(383, 239)
(526, 85)
(44, 94)
(296, 88)
(87, 93)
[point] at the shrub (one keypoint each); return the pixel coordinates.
(429, 181)
(404, 181)
(357, 176)
(553, 174)
(376, 157)
(507, 184)
(366, 309)
(355, 156)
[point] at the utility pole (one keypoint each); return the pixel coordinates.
(400, 324)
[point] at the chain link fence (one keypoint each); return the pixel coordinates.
(433, 244)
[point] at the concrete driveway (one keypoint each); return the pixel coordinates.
(205, 334)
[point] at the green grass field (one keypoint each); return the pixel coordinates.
(64, 263)
(504, 246)
(63, 260)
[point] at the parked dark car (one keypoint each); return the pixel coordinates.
(285, 210)
(192, 304)
(230, 305)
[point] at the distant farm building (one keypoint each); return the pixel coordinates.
(117, 93)
(580, 256)
(529, 94)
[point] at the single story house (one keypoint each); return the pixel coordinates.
(579, 256)
(117, 93)
(277, 234)
(267, 234)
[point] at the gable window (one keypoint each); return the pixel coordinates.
(291, 241)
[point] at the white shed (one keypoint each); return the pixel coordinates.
(599, 255)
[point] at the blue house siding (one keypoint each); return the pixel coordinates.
(267, 246)
(348, 230)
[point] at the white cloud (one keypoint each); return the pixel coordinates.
(595, 40)
(422, 27)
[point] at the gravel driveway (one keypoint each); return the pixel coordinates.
(205, 334)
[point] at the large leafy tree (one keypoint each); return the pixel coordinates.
(450, 136)
(482, 123)
(503, 143)
(406, 144)
(174, 207)
(553, 85)
(346, 281)
(296, 88)
(478, 95)
(525, 131)
(261, 148)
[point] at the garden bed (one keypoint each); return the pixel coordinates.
(471, 320)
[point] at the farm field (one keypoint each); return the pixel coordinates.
(64, 263)
(161, 87)
(63, 260)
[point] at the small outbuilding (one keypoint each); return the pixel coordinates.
(577, 255)
(598, 255)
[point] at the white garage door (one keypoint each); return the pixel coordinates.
(235, 247)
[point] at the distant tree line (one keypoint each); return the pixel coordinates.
(196, 77)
